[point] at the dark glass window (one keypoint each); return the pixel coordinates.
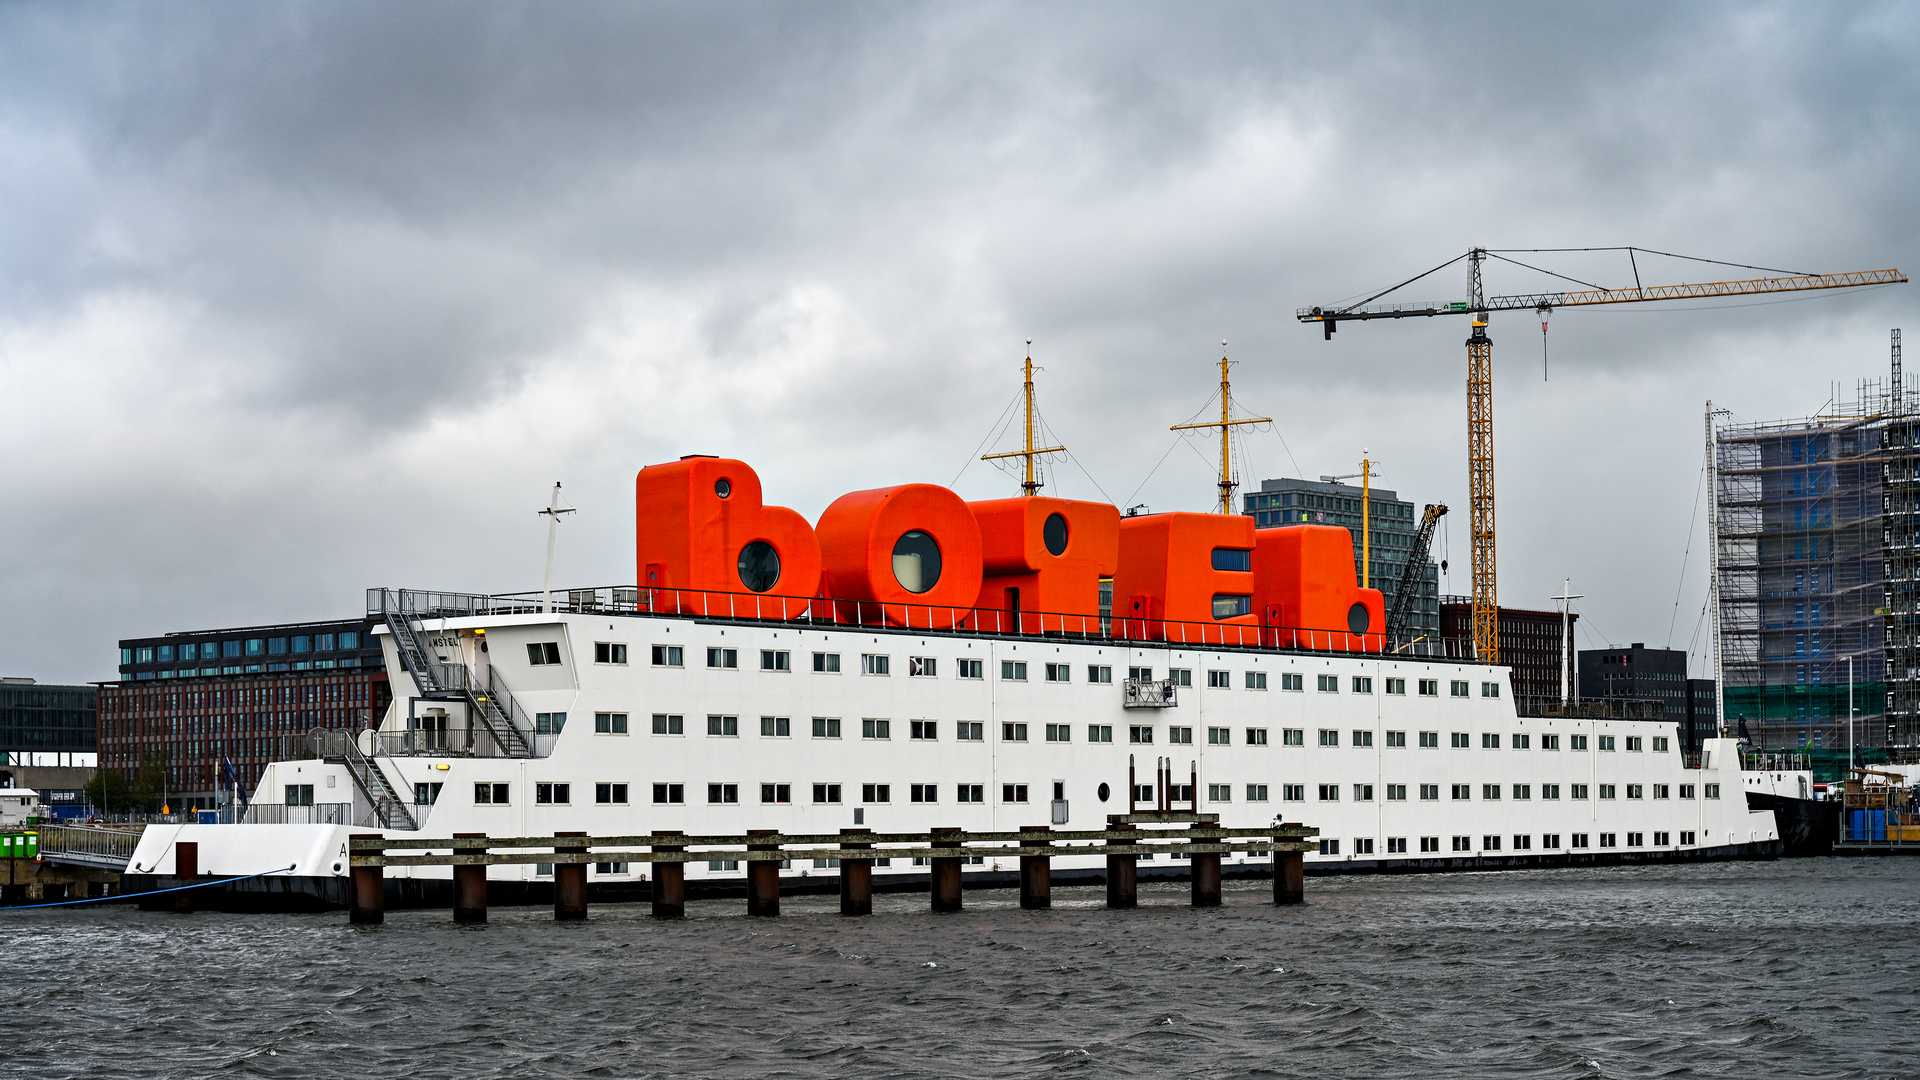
(276, 646)
(230, 648)
(323, 643)
(1055, 534)
(164, 654)
(303, 644)
(350, 639)
(1226, 606)
(1232, 559)
(916, 562)
(759, 566)
(256, 646)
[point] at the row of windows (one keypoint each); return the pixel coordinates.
(240, 647)
(245, 669)
(1491, 792)
(615, 794)
(1397, 845)
(829, 727)
(1010, 670)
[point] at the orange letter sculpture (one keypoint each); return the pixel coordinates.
(1043, 559)
(901, 556)
(707, 546)
(1186, 577)
(1307, 595)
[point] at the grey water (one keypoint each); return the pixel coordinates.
(1786, 969)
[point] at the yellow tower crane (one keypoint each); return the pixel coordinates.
(1486, 610)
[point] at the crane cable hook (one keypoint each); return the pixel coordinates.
(1545, 312)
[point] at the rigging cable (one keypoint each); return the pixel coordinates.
(992, 433)
(1688, 553)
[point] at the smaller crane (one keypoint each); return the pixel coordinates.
(1411, 573)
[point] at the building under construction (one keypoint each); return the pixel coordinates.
(1817, 524)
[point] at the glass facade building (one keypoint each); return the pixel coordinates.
(1285, 502)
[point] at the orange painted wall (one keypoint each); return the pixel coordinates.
(688, 537)
(1306, 573)
(1057, 592)
(1166, 576)
(857, 537)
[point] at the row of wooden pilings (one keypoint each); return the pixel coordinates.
(946, 850)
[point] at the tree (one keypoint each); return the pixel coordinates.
(108, 792)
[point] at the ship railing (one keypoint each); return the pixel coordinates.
(88, 845)
(1238, 630)
(313, 814)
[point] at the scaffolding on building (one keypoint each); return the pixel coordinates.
(1818, 520)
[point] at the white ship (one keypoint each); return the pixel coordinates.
(897, 682)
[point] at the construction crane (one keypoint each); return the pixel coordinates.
(1486, 611)
(1411, 573)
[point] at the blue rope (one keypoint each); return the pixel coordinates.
(136, 896)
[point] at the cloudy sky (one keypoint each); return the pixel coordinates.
(297, 300)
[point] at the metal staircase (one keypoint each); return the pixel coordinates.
(386, 809)
(492, 705)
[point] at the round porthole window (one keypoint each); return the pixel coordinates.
(759, 566)
(723, 487)
(1054, 532)
(1104, 792)
(916, 562)
(1357, 618)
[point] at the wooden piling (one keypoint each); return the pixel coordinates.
(469, 881)
(946, 873)
(570, 880)
(368, 887)
(186, 867)
(1289, 877)
(1036, 872)
(856, 877)
(763, 878)
(669, 883)
(1205, 876)
(1123, 882)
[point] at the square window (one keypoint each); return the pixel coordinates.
(1013, 793)
(1577, 742)
(1550, 791)
(1293, 792)
(669, 794)
(922, 667)
(1430, 740)
(776, 660)
(1396, 793)
(1463, 843)
(1363, 684)
(1219, 736)
(1607, 791)
(1549, 742)
(1059, 733)
(1577, 791)
(666, 656)
(1329, 847)
(826, 727)
(1329, 737)
(1181, 735)
(1711, 791)
(1013, 733)
(609, 652)
(971, 669)
(826, 793)
(723, 658)
(1140, 734)
(1256, 680)
(1490, 792)
(1397, 688)
(1490, 843)
(970, 731)
(923, 793)
(1363, 846)
(1660, 744)
(1059, 672)
(1462, 792)
(1606, 743)
(1293, 680)
(1293, 736)
(1429, 792)
(826, 662)
(1429, 844)
(604, 723)
(1219, 792)
(876, 729)
(1397, 739)
(539, 653)
(1099, 733)
(1521, 742)
(551, 794)
(665, 724)
(1523, 791)
(923, 730)
(1013, 671)
(723, 794)
(1329, 684)
(776, 793)
(775, 727)
(1180, 676)
(1429, 687)
(1363, 738)
(969, 793)
(1634, 744)
(1256, 793)
(1489, 741)
(875, 664)
(1662, 791)
(1489, 689)
(616, 794)
(1256, 736)
(1099, 673)
(876, 793)
(1329, 792)
(490, 794)
(724, 726)
(1458, 688)
(1635, 791)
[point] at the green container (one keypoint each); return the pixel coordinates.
(32, 842)
(6, 845)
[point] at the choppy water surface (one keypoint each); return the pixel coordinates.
(1802, 968)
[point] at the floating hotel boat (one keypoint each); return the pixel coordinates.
(912, 660)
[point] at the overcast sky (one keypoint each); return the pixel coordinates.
(297, 300)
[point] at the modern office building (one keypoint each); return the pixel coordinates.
(198, 701)
(1289, 501)
(1818, 523)
(1531, 643)
(43, 723)
(1637, 673)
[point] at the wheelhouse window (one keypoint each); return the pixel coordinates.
(543, 653)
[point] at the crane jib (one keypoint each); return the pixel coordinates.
(1587, 297)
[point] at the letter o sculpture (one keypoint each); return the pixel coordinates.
(869, 568)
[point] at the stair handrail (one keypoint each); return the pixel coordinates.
(364, 770)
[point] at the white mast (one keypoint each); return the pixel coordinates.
(1713, 576)
(1567, 597)
(552, 514)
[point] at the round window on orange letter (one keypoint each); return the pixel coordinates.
(759, 566)
(916, 562)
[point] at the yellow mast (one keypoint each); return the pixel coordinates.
(1366, 521)
(1226, 422)
(1031, 485)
